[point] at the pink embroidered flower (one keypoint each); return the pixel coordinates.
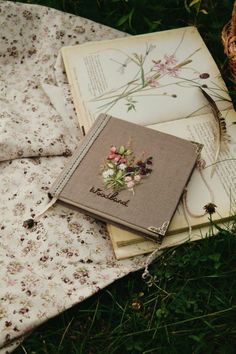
(117, 158)
(137, 178)
(128, 179)
(113, 149)
(111, 156)
(130, 184)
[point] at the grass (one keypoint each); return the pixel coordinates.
(191, 307)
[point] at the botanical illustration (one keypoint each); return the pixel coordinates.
(152, 75)
(123, 171)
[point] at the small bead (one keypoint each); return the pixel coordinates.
(28, 224)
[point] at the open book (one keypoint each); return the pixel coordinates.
(154, 80)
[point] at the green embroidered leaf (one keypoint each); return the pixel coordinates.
(121, 150)
(128, 152)
(110, 165)
(119, 174)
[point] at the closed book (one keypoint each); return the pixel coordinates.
(128, 175)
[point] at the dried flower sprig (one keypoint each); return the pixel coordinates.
(210, 208)
(221, 130)
(121, 171)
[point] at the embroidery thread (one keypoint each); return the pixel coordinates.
(121, 170)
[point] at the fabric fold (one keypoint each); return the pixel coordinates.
(69, 256)
(30, 43)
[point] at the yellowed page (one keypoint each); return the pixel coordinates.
(221, 187)
(202, 188)
(147, 246)
(144, 79)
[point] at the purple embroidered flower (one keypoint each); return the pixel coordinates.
(141, 164)
(143, 172)
(130, 169)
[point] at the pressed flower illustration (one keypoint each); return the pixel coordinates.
(121, 170)
(152, 73)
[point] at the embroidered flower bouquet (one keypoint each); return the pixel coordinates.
(123, 170)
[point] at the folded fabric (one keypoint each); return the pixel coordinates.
(68, 257)
(30, 126)
(30, 42)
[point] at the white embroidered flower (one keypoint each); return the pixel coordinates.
(122, 166)
(108, 173)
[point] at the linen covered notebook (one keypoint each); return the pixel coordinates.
(128, 175)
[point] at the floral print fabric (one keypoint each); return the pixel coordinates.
(30, 40)
(67, 256)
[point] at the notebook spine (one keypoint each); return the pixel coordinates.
(79, 154)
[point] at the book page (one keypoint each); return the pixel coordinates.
(202, 188)
(143, 246)
(144, 79)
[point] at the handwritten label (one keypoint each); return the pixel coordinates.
(113, 196)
